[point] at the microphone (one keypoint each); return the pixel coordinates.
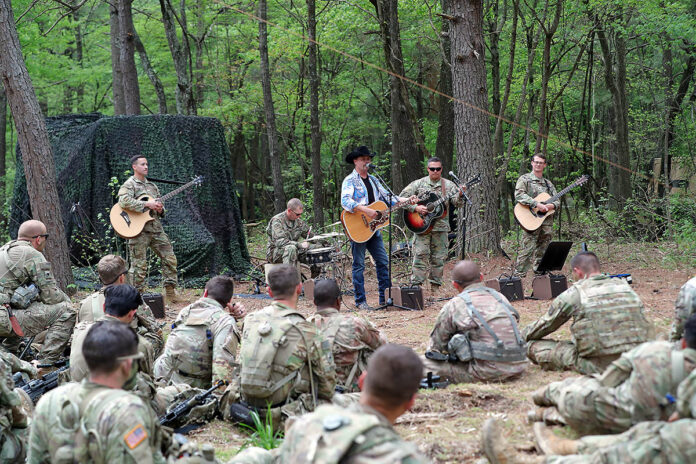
(370, 166)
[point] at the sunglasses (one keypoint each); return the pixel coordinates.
(41, 235)
(435, 169)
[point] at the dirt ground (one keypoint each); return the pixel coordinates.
(445, 423)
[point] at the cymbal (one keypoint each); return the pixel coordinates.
(324, 236)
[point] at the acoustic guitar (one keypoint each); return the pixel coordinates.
(531, 218)
(360, 228)
(437, 208)
(129, 224)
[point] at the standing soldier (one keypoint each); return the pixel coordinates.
(608, 319)
(683, 309)
(287, 234)
(431, 248)
(22, 265)
(353, 339)
(527, 188)
(153, 235)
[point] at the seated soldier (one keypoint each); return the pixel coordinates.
(97, 421)
(112, 271)
(202, 346)
(287, 234)
(470, 328)
(636, 387)
(644, 443)
(608, 319)
(21, 265)
(352, 339)
(15, 410)
(362, 432)
(683, 309)
(285, 362)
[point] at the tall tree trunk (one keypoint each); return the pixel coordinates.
(116, 74)
(3, 150)
(32, 136)
(471, 125)
(444, 147)
(181, 55)
(151, 74)
(131, 89)
(406, 141)
(279, 202)
(315, 128)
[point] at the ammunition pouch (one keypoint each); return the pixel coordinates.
(23, 296)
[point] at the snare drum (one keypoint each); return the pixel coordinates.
(319, 255)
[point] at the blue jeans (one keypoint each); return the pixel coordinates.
(376, 249)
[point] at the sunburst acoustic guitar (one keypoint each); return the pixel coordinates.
(360, 228)
(129, 224)
(531, 218)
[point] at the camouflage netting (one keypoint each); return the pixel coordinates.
(203, 223)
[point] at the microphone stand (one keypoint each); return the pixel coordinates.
(389, 302)
(464, 213)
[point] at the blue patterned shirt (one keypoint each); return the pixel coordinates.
(354, 193)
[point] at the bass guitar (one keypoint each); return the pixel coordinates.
(129, 224)
(437, 208)
(531, 218)
(360, 228)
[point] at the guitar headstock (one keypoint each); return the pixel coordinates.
(581, 180)
(198, 180)
(473, 181)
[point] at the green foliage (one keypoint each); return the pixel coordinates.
(262, 433)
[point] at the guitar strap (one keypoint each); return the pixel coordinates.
(442, 187)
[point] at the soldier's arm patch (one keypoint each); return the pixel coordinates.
(135, 436)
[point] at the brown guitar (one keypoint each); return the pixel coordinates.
(360, 228)
(531, 218)
(129, 224)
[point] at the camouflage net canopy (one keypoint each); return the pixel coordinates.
(92, 155)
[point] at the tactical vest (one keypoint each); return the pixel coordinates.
(466, 350)
(610, 320)
(335, 434)
(194, 341)
(264, 355)
(10, 269)
(329, 333)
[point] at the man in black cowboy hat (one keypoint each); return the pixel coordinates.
(358, 190)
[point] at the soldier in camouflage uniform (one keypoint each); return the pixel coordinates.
(636, 387)
(644, 443)
(608, 319)
(683, 309)
(285, 362)
(97, 421)
(468, 329)
(361, 433)
(352, 339)
(430, 248)
(15, 410)
(153, 235)
(286, 235)
(527, 188)
(112, 271)
(202, 346)
(23, 264)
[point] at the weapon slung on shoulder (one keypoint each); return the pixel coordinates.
(183, 408)
(36, 388)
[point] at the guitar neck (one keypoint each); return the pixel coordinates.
(562, 192)
(177, 191)
(455, 193)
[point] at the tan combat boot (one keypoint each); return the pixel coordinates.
(550, 444)
(499, 451)
(539, 397)
(171, 295)
(549, 416)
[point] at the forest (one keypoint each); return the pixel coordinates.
(603, 87)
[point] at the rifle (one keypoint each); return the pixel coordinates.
(432, 382)
(36, 388)
(183, 408)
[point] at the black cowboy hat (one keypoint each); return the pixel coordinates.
(360, 151)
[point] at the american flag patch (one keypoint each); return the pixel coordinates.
(135, 436)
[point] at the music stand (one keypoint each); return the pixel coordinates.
(554, 257)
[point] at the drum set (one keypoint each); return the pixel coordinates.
(329, 261)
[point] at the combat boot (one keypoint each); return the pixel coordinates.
(539, 397)
(550, 444)
(499, 451)
(549, 416)
(171, 295)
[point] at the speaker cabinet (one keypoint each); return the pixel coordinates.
(549, 286)
(408, 297)
(156, 303)
(511, 287)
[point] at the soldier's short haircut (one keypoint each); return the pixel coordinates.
(585, 261)
(394, 373)
(220, 289)
(326, 292)
(434, 159)
(134, 159)
(110, 268)
(119, 300)
(539, 155)
(690, 332)
(466, 273)
(105, 342)
(294, 203)
(283, 279)
(31, 228)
